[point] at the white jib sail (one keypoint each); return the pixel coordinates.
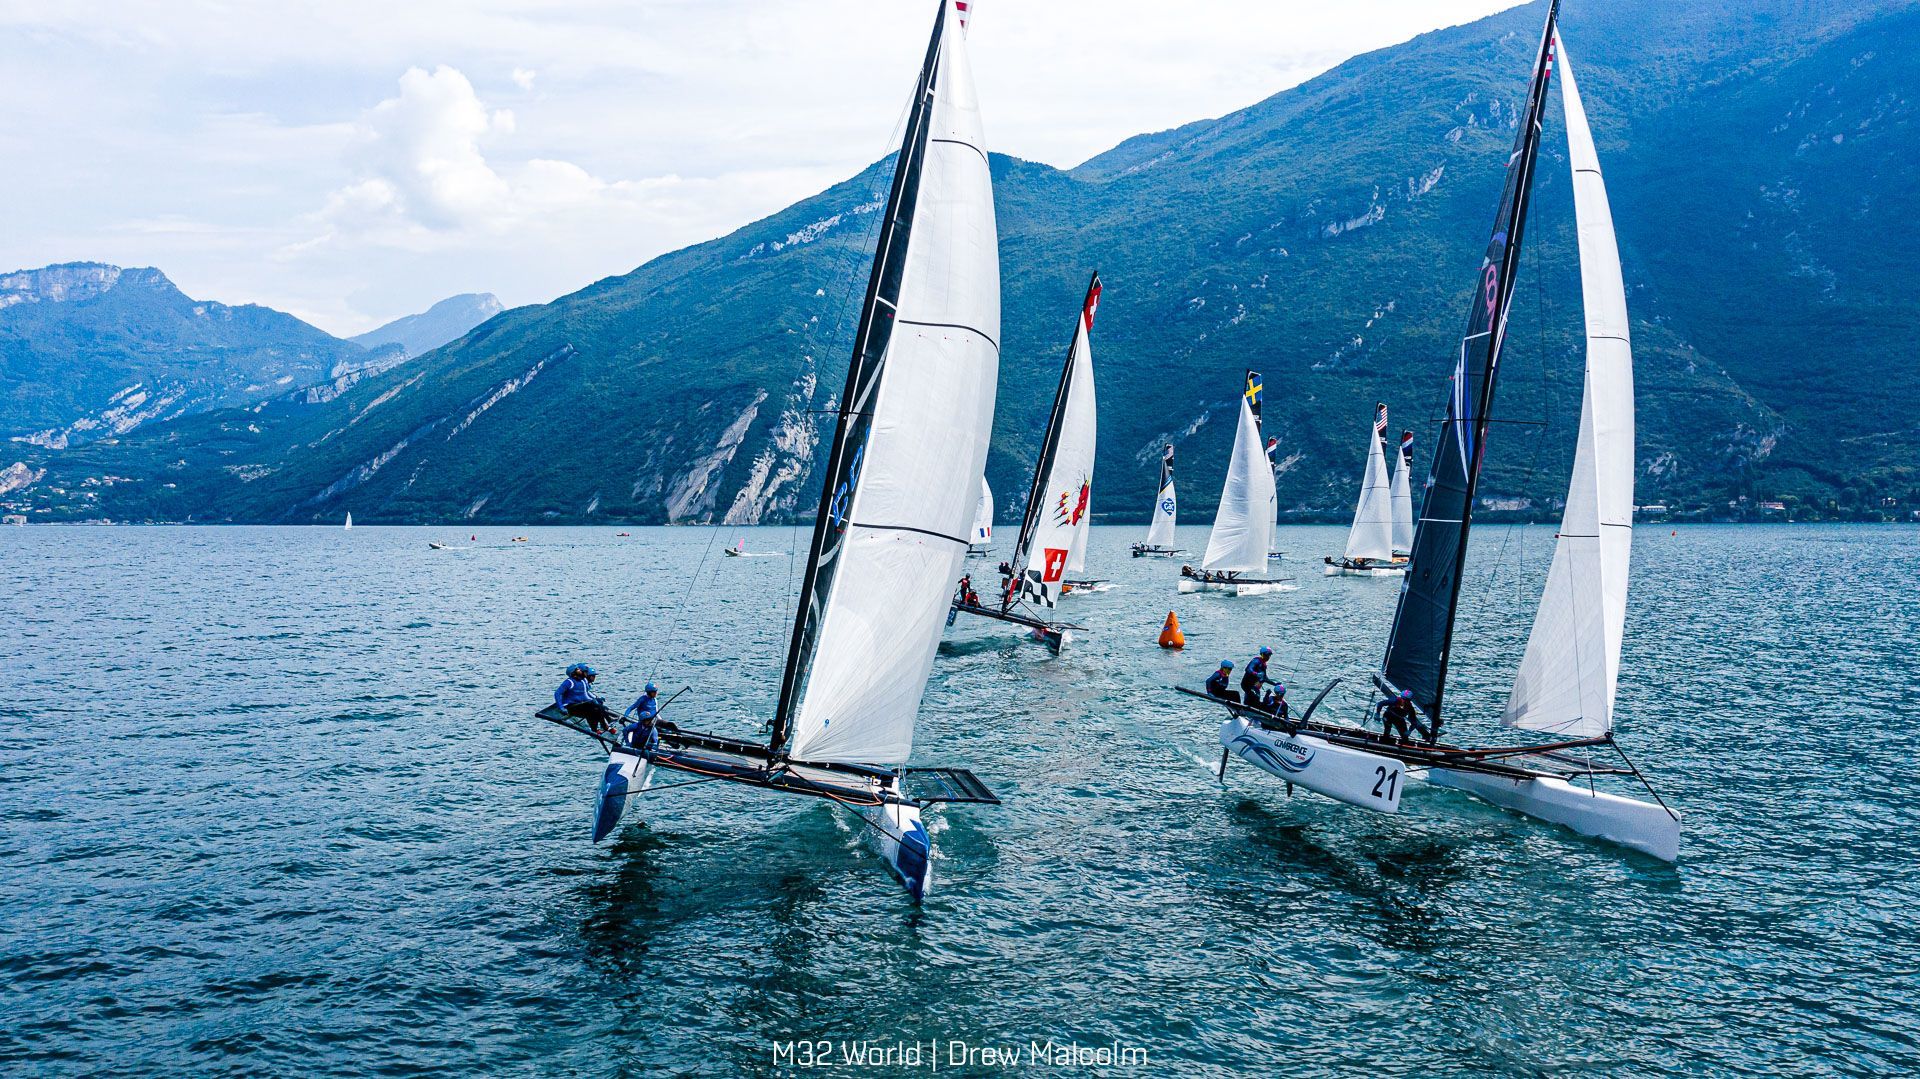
(1566, 681)
(983, 515)
(1243, 526)
(1165, 513)
(1372, 532)
(932, 412)
(1401, 490)
(1060, 535)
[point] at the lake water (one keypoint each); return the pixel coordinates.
(273, 800)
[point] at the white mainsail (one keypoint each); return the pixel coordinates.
(1402, 495)
(931, 411)
(1372, 533)
(1566, 681)
(1056, 542)
(1165, 507)
(349, 523)
(983, 516)
(1243, 526)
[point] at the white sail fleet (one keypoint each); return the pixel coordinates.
(905, 501)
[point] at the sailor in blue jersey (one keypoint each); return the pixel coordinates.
(1221, 681)
(575, 697)
(640, 733)
(1255, 677)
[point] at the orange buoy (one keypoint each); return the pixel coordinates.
(1170, 635)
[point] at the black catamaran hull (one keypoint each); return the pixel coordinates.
(1141, 550)
(1055, 635)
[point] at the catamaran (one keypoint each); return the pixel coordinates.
(1565, 686)
(1159, 541)
(1243, 525)
(891, 529)
(982, 534)
(1054, 530)
(1369, 550)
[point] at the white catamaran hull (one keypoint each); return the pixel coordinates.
(903, 843)
(1235, 588)
(1641, 826)
(627, 774)
(1352, 776)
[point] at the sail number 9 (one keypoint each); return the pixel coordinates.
(1384, 780)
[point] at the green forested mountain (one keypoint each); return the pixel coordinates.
(89, 350)
(1759, 163)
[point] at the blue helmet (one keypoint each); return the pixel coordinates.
(1279, 690)
(650, 688)
(580, 670)
(1264, 652)
(1406, 694)
(1226, 665)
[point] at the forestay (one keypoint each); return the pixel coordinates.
(1566, 682)
(1165, 506)
(1243, 526)
(1372, 533)
(913, 426)
(983, 515)
(1054, 533)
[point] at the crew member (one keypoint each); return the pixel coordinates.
(575, 697)
(1275, 701)
(1256, 676)
(1398, 714)
(640, 733)
(1219, 685)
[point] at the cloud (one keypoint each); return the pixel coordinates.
(523, 77)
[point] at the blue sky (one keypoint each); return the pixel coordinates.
(355, 161)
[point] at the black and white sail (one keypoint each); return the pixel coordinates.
(905, 458)
(1417, 652)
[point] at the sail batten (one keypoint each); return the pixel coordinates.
(1566, 681)
(1054, 532)
(911, 433)
(1243, 525)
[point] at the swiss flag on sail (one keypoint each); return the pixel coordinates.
(1054, 565)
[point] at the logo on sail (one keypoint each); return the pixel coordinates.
(1054, 564)
(1068, 509)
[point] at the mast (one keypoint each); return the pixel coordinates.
(1023, 583)
(853, 421)
(1421, 644)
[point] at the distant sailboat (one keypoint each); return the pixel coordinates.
(1369, 550)
(1165, 514)
(890, 533)
(1402, 492)
(1273, 462)
(348, 527)
(1243, 526)
(1565, 685)
(982, 520)
(738, 550)
(1053, 532)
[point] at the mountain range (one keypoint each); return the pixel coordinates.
(1758, 159)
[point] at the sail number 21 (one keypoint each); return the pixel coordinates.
(1384, 780)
